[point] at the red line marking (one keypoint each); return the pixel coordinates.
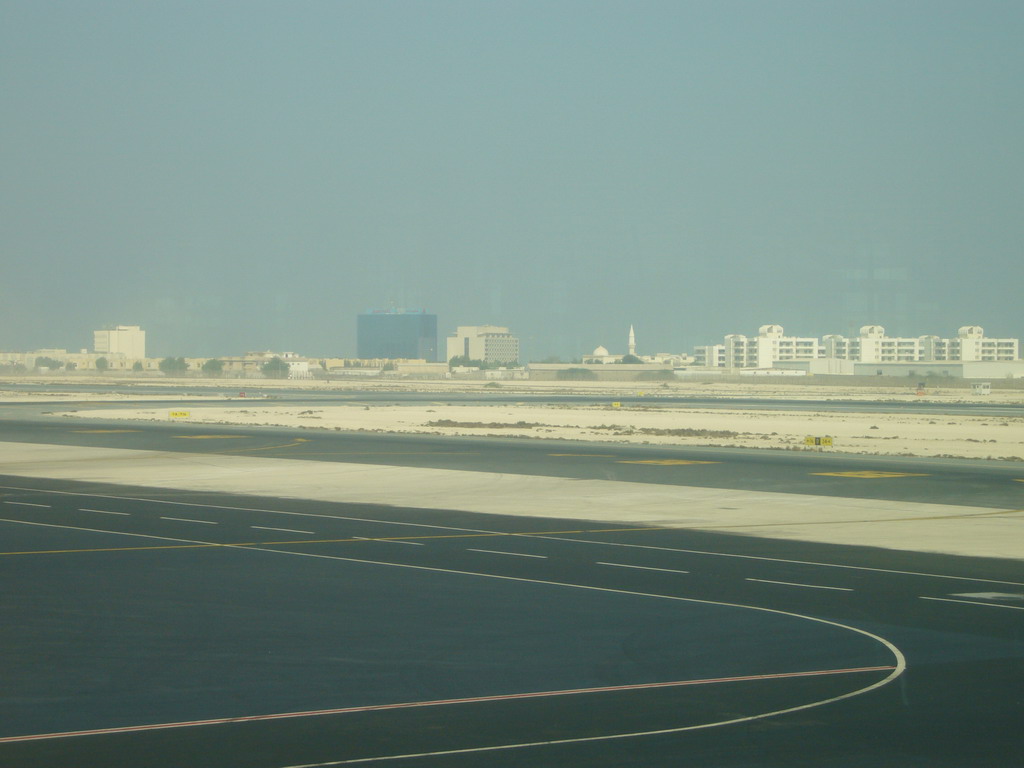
(438, 703)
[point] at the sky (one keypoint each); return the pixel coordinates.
(239, 176)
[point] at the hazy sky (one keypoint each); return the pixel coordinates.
(236, 176)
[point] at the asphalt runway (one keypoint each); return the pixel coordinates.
(231, 630)
(994, 484)
(154, 627)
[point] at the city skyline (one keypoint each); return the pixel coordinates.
(416, 340)
(235, 177)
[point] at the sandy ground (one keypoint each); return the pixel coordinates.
(870, 522)
(897, 525)
(793, 388)
(7, 396)
(975, 437)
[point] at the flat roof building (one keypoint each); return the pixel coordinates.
(871, 345)
(407, 334)
(128, 341)
(489, 343)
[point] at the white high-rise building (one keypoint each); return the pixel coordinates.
(871, 345)
(489, 343)
(128, 341)
(761, 351)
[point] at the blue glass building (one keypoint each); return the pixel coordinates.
(397, 334)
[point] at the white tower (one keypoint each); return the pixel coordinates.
(632, 341)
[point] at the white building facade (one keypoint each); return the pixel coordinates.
(489, 343)
(128, 341)
(969, 345)
(871, 345)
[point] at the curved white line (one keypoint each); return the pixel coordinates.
(899, 668)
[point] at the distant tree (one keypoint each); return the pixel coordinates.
(575, 374)
(9, 368)
(388, 366)
(465, 361)
(173, 365)
(213, 367)
(137, 366)
(631, 360)
(102, 364)
(70, 366)
(49, 363)
(275, 368)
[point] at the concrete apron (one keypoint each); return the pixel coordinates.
(948, 529)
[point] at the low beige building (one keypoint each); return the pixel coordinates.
(489, 343)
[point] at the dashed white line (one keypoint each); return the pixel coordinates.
(794, 584)
(975, 602)
(286, 530)
(27, 504)
(542, 536)
(102, 511)
(389, 541)
(190, 520)
(513, 554)
(643, 567)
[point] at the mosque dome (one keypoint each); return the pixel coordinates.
(600, 352)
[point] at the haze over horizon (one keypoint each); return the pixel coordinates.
(252, 175)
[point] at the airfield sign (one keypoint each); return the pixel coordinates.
(821, 442)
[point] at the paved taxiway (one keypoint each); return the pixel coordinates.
(135, 610)
(994, 484)
(301, 632)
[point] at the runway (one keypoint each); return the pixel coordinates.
(160, 627)
(991, 484)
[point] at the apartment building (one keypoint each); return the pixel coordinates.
(871, 345)
(969, 345)
(489, 343)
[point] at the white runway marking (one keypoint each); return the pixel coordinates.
(644, 567)
(103, 511)
(389, 541)
(794, 584)
(189, 520)
(706, 553)
(896, 670)
(512, 554)
(990, 595)
(286, 530)
(447, 702)
(975, 602)
(27, 504)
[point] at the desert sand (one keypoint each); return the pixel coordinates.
(883, 433)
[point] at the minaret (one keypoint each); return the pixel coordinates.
(632, 341)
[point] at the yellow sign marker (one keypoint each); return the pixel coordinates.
(209, 437)
(616, 405)
(180, 414)
(869, 474)
(665, 462)
(822, 441)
